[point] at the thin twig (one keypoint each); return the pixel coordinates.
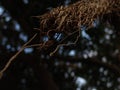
(14, 56)
(34, 45)
(73, 43)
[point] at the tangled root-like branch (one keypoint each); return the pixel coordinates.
(68, 19)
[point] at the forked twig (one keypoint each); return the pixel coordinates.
(73, 43)
(14, 56)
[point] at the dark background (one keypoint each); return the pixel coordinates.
(92, 64)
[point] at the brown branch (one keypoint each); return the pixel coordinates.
(14, 56)
(68, 44)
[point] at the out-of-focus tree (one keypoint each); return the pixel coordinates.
(91, 64)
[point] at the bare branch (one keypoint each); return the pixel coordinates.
(14, 56)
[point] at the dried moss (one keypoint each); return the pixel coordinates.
(68, 19)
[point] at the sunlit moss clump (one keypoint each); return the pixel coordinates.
(68, 19)
(82, 13)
